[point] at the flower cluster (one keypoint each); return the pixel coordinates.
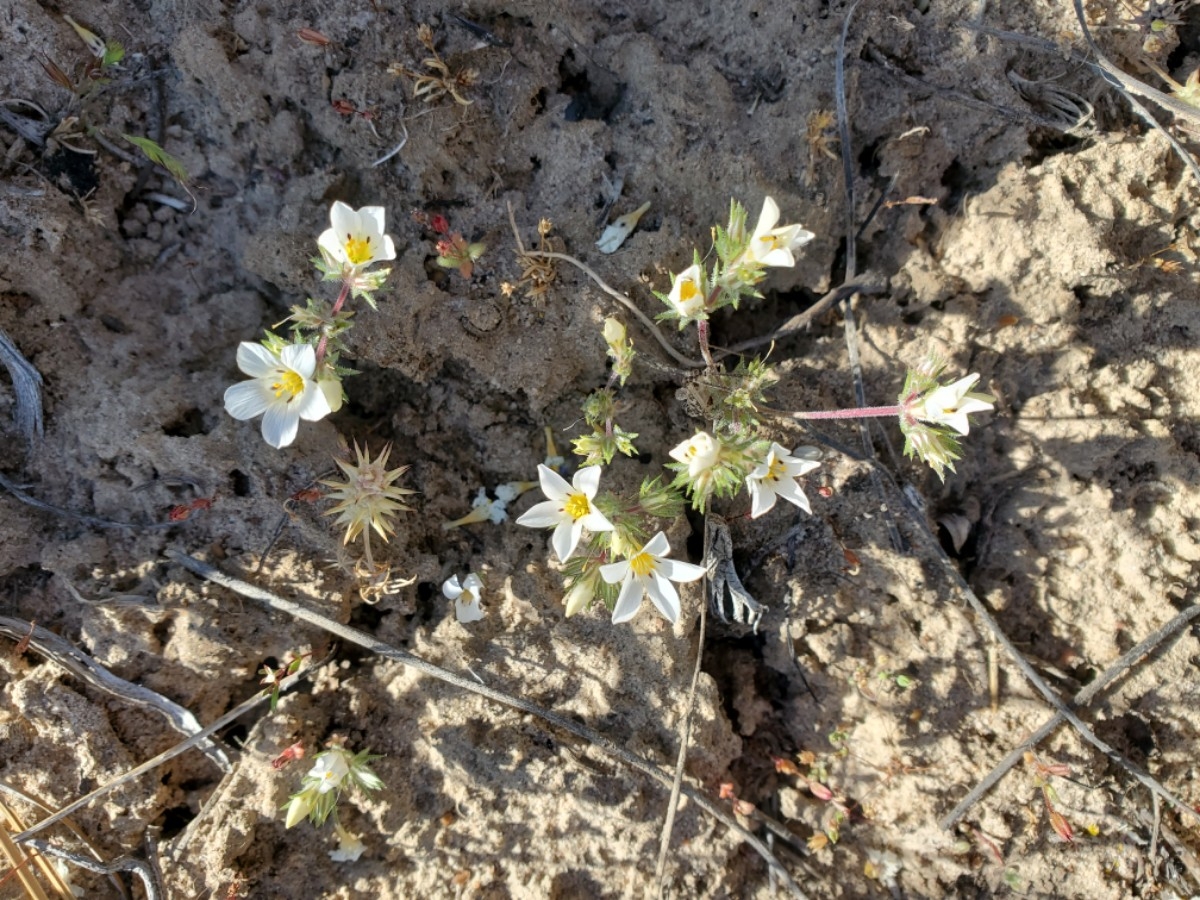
(301, 378)
(933, 415)
(742, 260)
(321, 788)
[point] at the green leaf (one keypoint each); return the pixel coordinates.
(159, 156)
(113, 54)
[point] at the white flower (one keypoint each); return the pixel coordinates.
(771, 246)
(282, 390)
(356, 239)
(569, 509)
(648, 571)
(950, 404)
(776, 477)
(350, 846)
(688, 293)
(700, 452)
(465, 596)
(330, 769)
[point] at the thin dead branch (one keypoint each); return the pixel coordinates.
(1081, 700)
(685, 735)
(83, 667)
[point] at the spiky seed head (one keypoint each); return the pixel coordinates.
(369, 495)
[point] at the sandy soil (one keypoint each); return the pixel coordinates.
(1032, 261)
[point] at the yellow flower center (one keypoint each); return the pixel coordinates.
(358, 249)
(642, 564)
(688, 291)
(577, 506)
(290, 382)
(775, 471)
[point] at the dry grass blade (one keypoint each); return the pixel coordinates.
(22, 864)
(27, 388)
(16, 825)
(387, 651)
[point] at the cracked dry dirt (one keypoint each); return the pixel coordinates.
(1033, 264)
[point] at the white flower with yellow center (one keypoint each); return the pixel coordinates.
(569, 509)
(465, 596)
(776, 477)
(330, 770)
(281, 390)
(689, 294)
(648, 571)
(356, 238)
(700, 452)
(950, 404)
(771, 246)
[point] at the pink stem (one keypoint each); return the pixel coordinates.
(702, 334)
(865, 412)
(337, 307)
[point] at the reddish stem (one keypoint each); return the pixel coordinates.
(702, 334)
(864, 412)
(337, 307)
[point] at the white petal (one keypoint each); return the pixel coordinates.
(614, 572)
(767, 218)
(546, 514)
(312, 404)
(332, 247)
(566, 538)
(389, 249)
(554, 485)
(467, 612)
(451, 589)
(595, 521)
(780, 258)
(335, 395)
(279, 425)
(794, 468)
(664, 596)
(657, 545)
(680, 571)
(587, 481)
(300, 358)
(344, 220)
(473, 584)
(629, 601)
(791, 492)
(762, 498)
(255, 359)
(371, 220)
(248, 399)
